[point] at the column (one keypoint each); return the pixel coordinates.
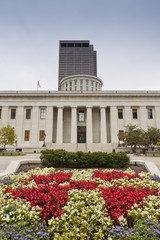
(113, 122)
(19, 124)
(34, 135)
(5, 117)
(143, 118)
(49, 124)
(127, 115)
(156, 115)
(103, 125)
(89, 125)
(73, 125)
(60, 125)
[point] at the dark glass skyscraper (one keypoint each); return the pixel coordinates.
(76, 57)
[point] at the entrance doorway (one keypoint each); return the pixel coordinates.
(81, 134)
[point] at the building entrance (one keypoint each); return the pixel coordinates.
(81, 134)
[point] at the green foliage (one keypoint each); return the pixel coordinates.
(143, 229)
(19, 230)
(133, 136)
(153, 135)
(12, 154)
(7, 136)
(62, 158)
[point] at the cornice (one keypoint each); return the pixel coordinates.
(79, 94)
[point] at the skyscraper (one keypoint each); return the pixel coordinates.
(76, 57)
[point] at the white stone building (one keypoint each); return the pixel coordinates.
(79, 117)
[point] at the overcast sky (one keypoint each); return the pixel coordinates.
(125, 34)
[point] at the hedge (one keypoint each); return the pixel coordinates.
(62, 158)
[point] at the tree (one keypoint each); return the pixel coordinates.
(153, 135)
(7, 136)
(133, 136)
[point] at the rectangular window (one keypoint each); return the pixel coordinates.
(70, 85)
(81, 85)
(41, 135)
(120, 113)
(150, 114)
(13, 113)
(86, 85)
(75, 85)
(134, 113)
(66, 86)
(26, 135)
(96, 86)
(28, 113)
(121, 135)
(0, 113)
(81, 116)
(91, 85)
(42, 113)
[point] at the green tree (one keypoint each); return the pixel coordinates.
(153, 135)
(133, 136)
(7, 136)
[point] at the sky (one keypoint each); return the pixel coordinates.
(125, 34)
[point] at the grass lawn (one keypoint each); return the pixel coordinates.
(151, 155)
(12, 153)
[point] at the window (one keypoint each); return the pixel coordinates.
(66, 86)
(13, 113)
(91, 85)
(41, 135)
(28, 113)
(75, 85)
(134, 113)
(70, 85)
(120, 113)
(81, 85)
(26, 135)
(77, 44)
(81, 116)
(121, 135)
(0, 112)
(86, 85)
(42, 113)
(96, 86)
(150, 114)
(70, 44)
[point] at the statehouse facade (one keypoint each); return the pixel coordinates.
(81, 116)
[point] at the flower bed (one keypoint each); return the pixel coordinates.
(91, 204)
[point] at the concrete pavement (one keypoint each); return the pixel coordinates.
(6, 160)
(155, 160)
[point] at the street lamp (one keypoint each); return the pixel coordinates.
(44, 137)
(118, 135)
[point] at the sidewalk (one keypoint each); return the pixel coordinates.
(5, 160)
(155, 160)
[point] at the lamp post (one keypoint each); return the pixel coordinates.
(118, 135)
(44, 137)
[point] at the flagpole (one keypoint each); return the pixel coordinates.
(38, 85)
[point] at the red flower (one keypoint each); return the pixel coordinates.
(52, 198)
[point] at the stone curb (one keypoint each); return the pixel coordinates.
(150, 166)
(14, 165)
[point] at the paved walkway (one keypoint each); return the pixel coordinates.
(5, 160)
(155, 160)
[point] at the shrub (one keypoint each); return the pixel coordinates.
(62, 158)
